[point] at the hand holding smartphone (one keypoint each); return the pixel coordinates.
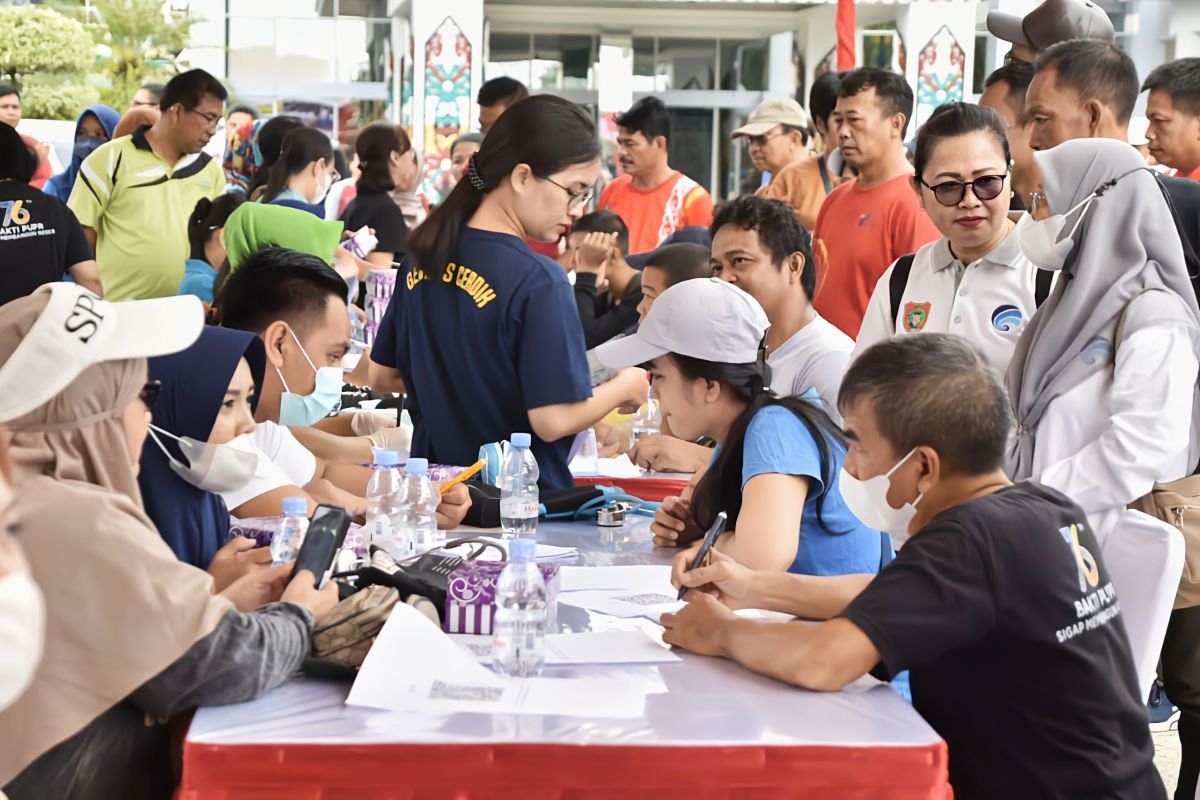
(326, 533)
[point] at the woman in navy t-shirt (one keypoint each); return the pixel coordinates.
(482, 333)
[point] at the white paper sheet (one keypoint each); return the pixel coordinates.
(651, 605)
(607, 647)
(413, 666)
(619, 467)
(629, 578)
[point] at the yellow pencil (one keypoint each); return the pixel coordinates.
(466, 474)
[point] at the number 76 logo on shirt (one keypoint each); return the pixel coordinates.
(14, 213)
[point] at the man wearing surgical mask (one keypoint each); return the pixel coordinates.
(296, 304)
(1000, 604)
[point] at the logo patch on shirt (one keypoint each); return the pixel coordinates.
(1097, 351)
(915, 316)
(1007, 319)
(864, 219)
(1085, 562)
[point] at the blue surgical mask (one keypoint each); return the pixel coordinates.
(86, 145)
(303, 410)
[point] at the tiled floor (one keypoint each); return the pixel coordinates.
(1166, 758)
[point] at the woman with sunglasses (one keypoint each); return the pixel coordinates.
(974, 281)
(482, 332)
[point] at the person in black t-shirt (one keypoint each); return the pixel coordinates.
(607, 290)
(381, 147)
(40, 239)
(1000, 605)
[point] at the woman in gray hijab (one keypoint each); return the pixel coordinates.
(1104, 379)
(1097, 420)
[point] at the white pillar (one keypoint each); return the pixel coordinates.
(939, 38)
(781, 73)
(1147, 30)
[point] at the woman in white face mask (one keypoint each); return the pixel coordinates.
(200, 444)
(132, 633)
(1098, 419)
(301, 176)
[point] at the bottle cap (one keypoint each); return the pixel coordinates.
(385, 458)
(417, 466)
(522, 549)
(521, 440)
(295, 506)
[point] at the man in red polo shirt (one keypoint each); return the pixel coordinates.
(1173, 109)
(873, 219)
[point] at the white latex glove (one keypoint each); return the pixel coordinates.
(364, 423)
(398, 439)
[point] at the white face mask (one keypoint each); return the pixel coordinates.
(214, 467)
(22, 629)
(1039, 238)
(868, 501)
(323, 185)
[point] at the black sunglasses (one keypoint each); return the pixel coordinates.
(951, 193)
(150, 392)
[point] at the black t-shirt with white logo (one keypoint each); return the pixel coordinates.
(40, 239)
(1004, 613)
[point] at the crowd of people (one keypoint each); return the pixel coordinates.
(944, 383)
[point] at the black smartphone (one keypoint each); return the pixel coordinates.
(326, 533)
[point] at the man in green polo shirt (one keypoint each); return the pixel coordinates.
(135, 194)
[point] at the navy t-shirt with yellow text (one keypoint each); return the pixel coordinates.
(480, 341)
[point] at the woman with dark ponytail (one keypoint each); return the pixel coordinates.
(206, 236)
(775, 472)
(301, 176)
(482, 332)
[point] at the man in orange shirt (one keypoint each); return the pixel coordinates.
(777, 138)
(870, 221)
(653, 199)
(1173, 109)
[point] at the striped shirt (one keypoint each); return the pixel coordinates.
(139, 207)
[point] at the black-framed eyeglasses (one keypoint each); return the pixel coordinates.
(150, 392)
(951, 193)
(760, 141)
(574, 199)
(210, 119)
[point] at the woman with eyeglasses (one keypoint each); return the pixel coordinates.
(974, 281)
(482, 332)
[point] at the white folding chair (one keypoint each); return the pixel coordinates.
(1144, 556)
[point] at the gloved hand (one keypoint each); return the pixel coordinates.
(364, 423)
(398, 439)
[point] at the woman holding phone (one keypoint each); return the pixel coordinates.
(482, 332)
(133, 634)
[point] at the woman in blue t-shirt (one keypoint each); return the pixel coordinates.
(775, 473)
(482, 333)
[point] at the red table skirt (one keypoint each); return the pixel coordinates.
(653, 489)
(561, 772)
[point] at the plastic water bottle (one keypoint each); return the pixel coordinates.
(418, 512)
(289, 534)
(519, 629)
(384, 502)
(519, 488)
(647, 421)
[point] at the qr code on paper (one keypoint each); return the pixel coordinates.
(649, 599)
(454, 691)
(479, 648)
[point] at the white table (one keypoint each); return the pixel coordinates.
(719, 731)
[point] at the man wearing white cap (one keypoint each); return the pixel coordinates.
(775, 472)
(1052, 22)
(777, 137)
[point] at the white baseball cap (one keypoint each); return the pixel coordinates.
(62, 329)
(703, 318)
(770, 114)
